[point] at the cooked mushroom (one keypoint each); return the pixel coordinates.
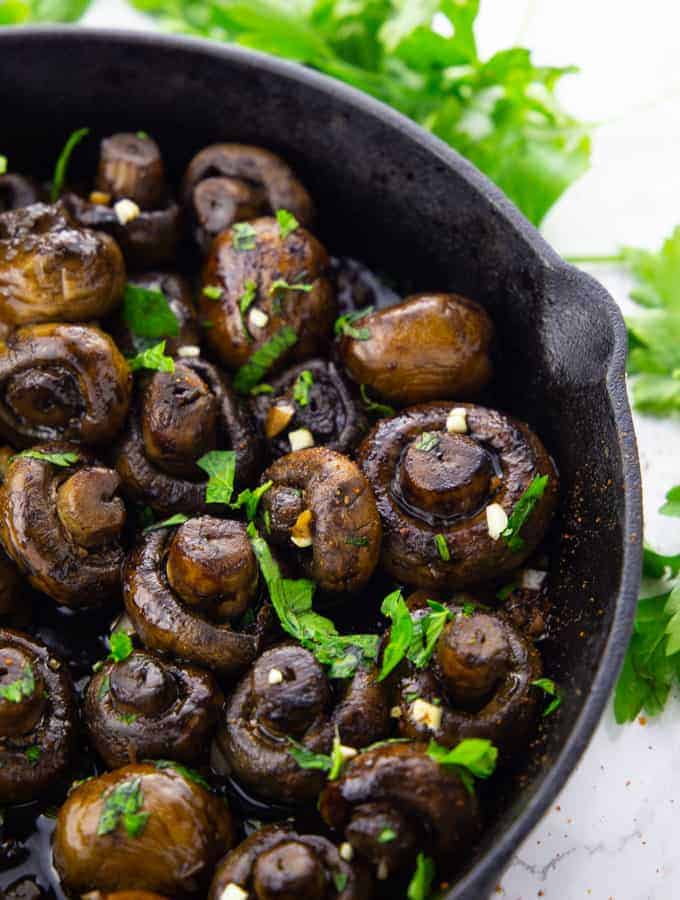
(38, 718)
(400, 788)
(62, 382)
(141, 828)
(261, 282)
(61, 521)
(180, 416)
(187, 590)
(321, 507)
(312, 396)
(276, 863)
(123, 895)
(446, 478)
(226, 183)
(53, 270)
(17, 191)
(286, 695)
(24, 889)
(479, 679)
(131, 202)
(430, 347)
(11, 593)
(146, 707)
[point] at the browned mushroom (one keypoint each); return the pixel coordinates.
(131, 167)
(401, 788)
(38, 719)
(53, 270)
(287, 695)
(61, 521)
(62, 382)
(226, 183)
(446, 478)
(430, 347)
(312, 396)
(17, 191)
(188, 590)
(123, 895)
(11, 589)
(141, 828)
(180, 416)
(256, 283)
(146, 707)
(321, 507)
(276, 863)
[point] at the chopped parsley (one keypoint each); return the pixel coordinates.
(250, 498)
(177, 519)
(184, 771)
(243, 236)
(104, 687)
(3, 164)
(220, 466)
(124, 804)
(357, 540)
(287, 223)
(261, 389)
(120, 646)
(302, 386)
(282, 285)
(411, 638)
(212, 291)
(548, 686)
(308, 759)
(248, 296)
(426, 441)
(442, 547)
(371, 406)
(154, 359)
(21, 689)
(147, 313)
(340, 881)
(32, 754)
(127, 718)
(522, 510)
(56, 459)
(468, 609)
(421, 884)
(63, 160)
(471, 758)
(262, 360)
(387, 835)
(346, 325)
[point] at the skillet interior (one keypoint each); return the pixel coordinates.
(405, 204)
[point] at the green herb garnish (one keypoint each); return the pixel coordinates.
(282, 285)
(124, 803)
(346, 325)
(177, 519)
(127, 718)
(421, 883)
(63, 160)
(471, 758)
(21, 689)
(548, 686)
(32, 754)
(442, 547)
(340, 881)
(104, 687)
(220, 466)
(243, 236)
(308, 759)
(302, 386)
(287, 223)
(147, 313)
(262, 360)
(120, 646)
(248, 296)
(387, 835)
(672, 505)
(522, 510)
(3, 164)
(261, 389)
(250, 498)
(212, 291)
(426, 441)
(357, 540)
(153, 359)
(63, 460)
(411, 638)
(371, 406)
(184, 771)
(142, 135)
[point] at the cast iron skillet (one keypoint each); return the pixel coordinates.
(406, 204)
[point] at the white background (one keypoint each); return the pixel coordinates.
(613, 832)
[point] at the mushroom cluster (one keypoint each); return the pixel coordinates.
(226, 459)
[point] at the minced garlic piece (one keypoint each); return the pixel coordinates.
(275, 676)
(301, 439)
(126, 211)
(346, 851)
(496, 520)
(395, 712)
(427, 714)
(257, 318)
(233, 892)
(189, 350)
(456, 421)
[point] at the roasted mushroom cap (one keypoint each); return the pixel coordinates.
(141, 828)
(321, 506)
(312, 396)
(52, 270)
(38, 718)
(62, 382)
(430, 347)
(481, 677)
(61, 521)
(17, 191)
(286, 695)
(146, 707)
(131, 167)
(276, 863)
(187, 590)
(400, 788)
(440, 472)
(285, 284)
(226, 183)
(178, 417)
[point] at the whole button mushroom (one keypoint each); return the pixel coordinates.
(53, 270)
(276, 863)
(286, 697)
(321, 508)
(62, 382)
(177, 418)
(17, 191)
(187, 590)
(227, 183)
(38, 719)
(447, 479)
(61, 522)
(259, 285)
(146, 707)
(429, 347)
(141, 828)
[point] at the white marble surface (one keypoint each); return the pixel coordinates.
(611, 833)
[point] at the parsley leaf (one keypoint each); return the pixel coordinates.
(442, 547)
(220, 466)
(3, 164)
(184, 771)
(371, 406)
(154, 359)
(248, 296)
(120, 645)
(426, 441)
(147, 313)
(387, 835)
(672, 505)
(177, 519)
(287, 223)
(56, 459)
(356, 540)
(124, 803)
(346, 325)
(32, 754)
(243, 236)
(301, 388)
(548, 686)
(522, 510)
(62, 162)
(262, 360)
(472, 758)
(212, 291)
(282, 285)
(421, 884)
(411, 638)
(340, 881)
(20, 689)
(308, 759)
(250, 498)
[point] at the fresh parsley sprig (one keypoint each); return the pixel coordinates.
(522, 510)
(21, 688)
(147, 313)
(471, 758)
(124, 805)
(252, 372)
(347, 325)
(63, 460)
(154, 359)
(413, 638)
(63, 160)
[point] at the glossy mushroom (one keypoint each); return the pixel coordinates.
(480, 681)
(147, 707)
(277, 863)
(443, 475)
(167, 840)
(131, 201)
(178, 417)
(227, 183)
(61, 522)
(62, 382)
(18, 191)
(400, 788)
(429, 347)
(287, 695)
(321, 508)
(53, 270)
(187, 590)
(285, 282)
(38, 719)
(313, 396)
